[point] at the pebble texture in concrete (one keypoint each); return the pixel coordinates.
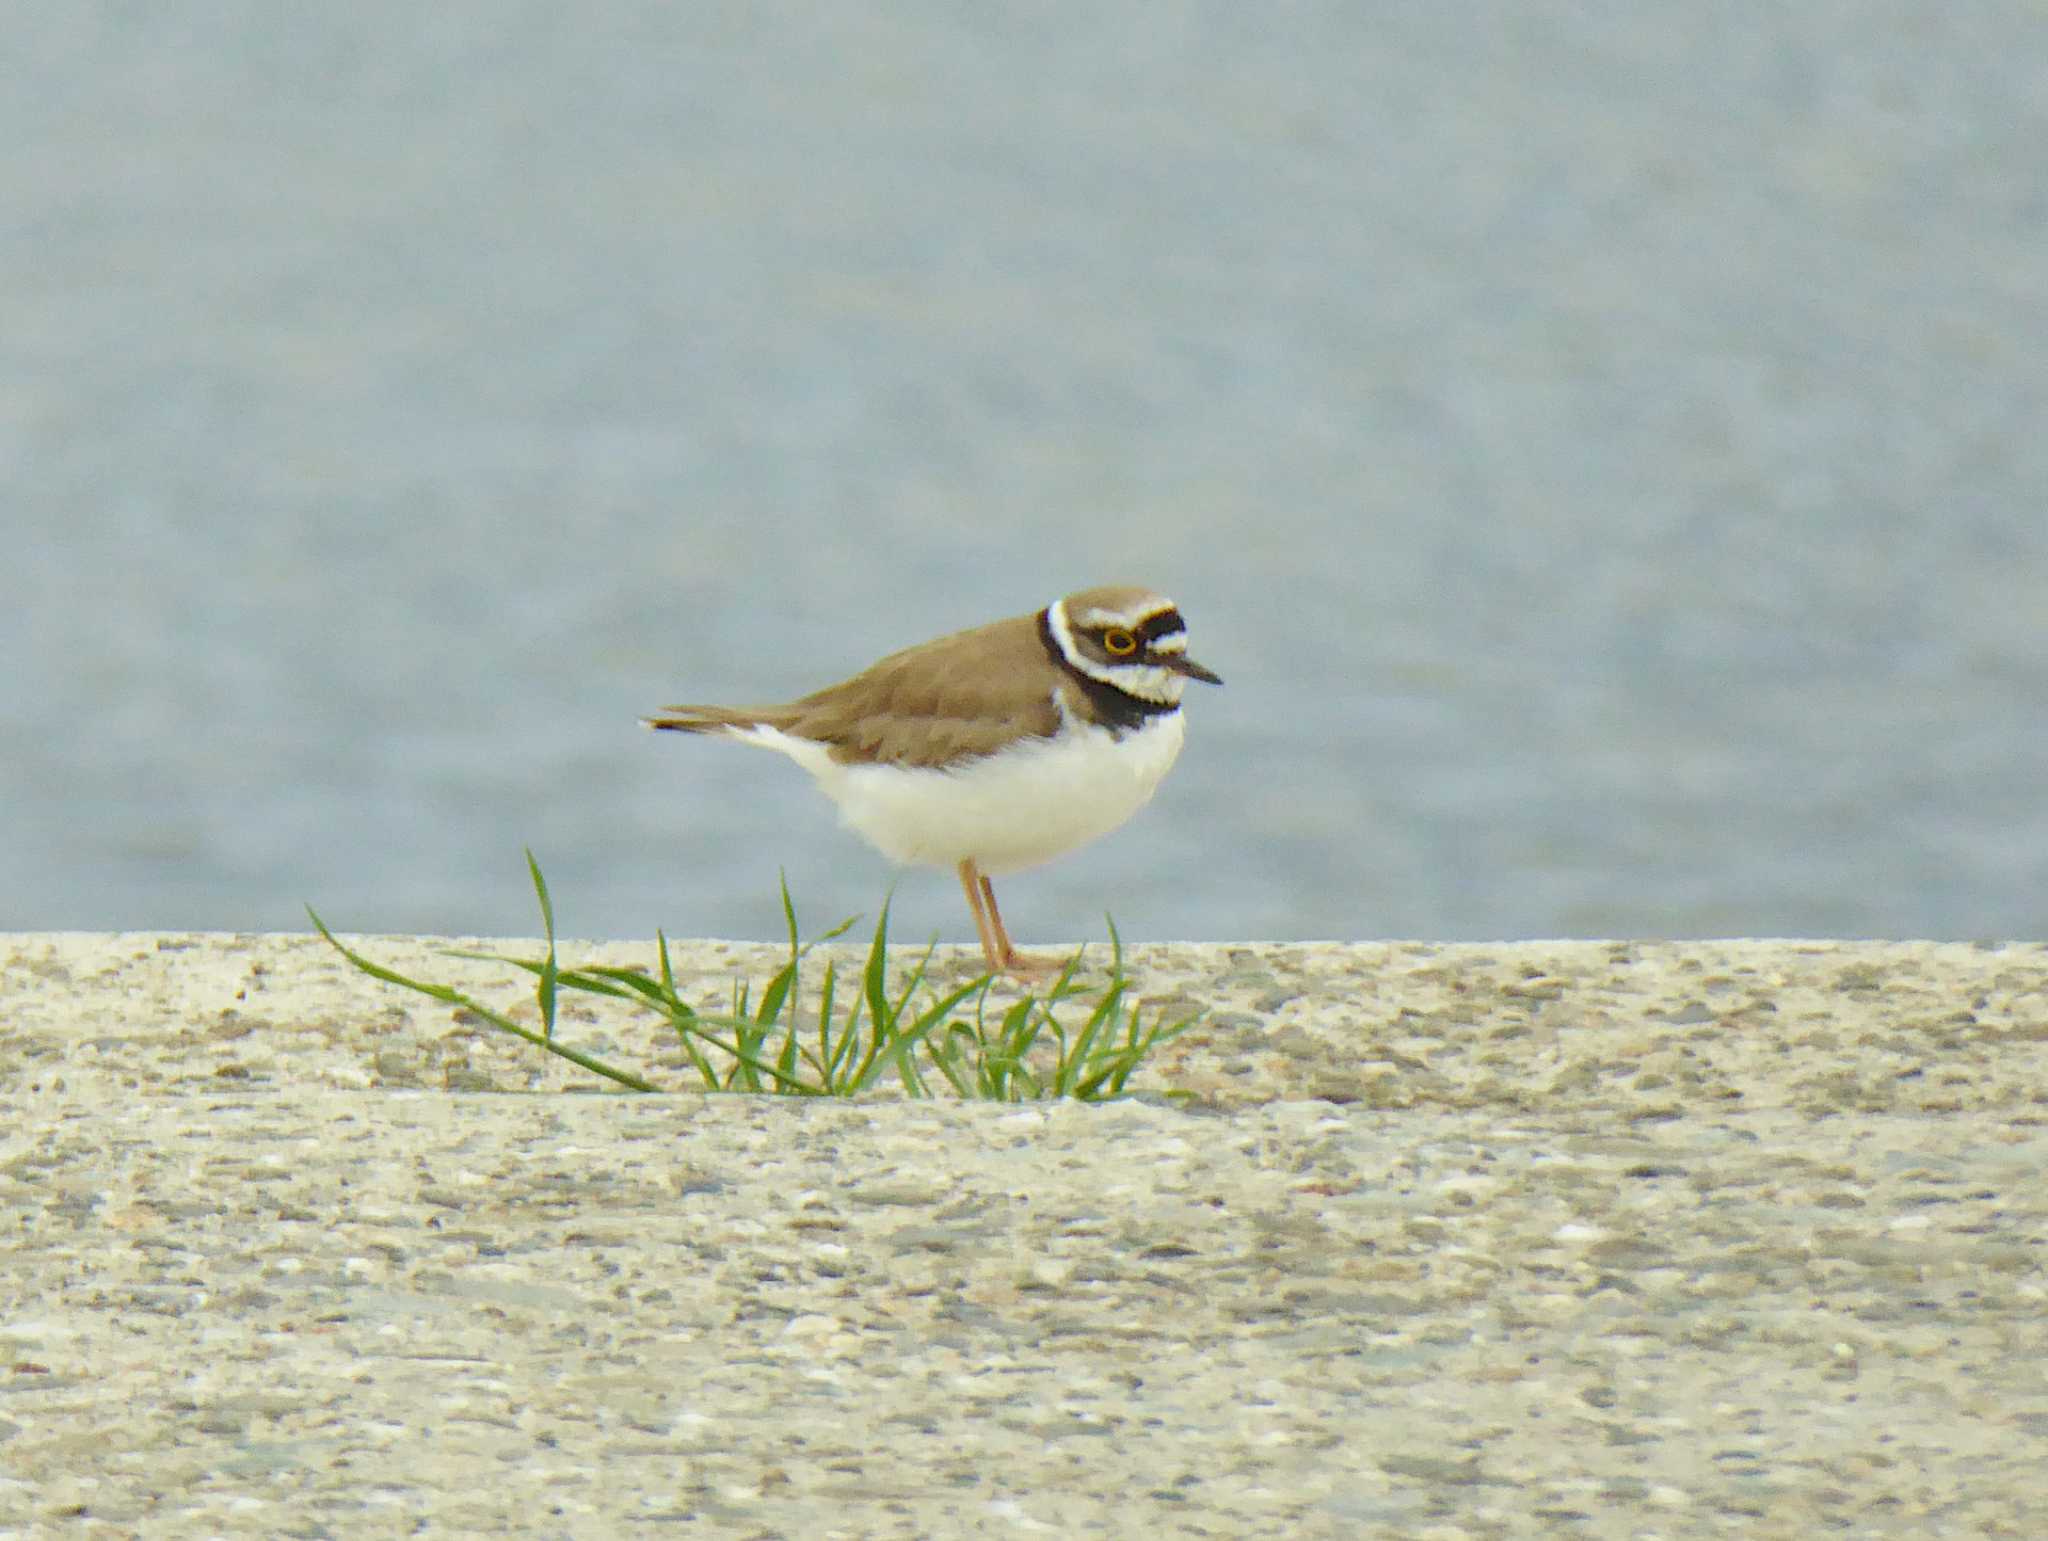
(1604, 1240)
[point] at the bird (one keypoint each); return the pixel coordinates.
(993, 749)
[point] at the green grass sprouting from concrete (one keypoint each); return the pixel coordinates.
(1073, 1040)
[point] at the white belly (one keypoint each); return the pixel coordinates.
(1006, 812)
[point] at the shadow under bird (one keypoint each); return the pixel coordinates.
(993, 749)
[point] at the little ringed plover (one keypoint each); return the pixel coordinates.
(992, 749)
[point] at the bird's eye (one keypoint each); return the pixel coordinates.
(1120, 643)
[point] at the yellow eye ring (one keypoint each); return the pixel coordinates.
(1119, 643)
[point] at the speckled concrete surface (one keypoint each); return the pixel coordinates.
(1627, 1240)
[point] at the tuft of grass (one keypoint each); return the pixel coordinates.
(1075, 1040)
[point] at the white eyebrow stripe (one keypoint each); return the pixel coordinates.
(1134, 621)
(1063, 635)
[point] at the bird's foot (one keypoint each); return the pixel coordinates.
(1027, 969)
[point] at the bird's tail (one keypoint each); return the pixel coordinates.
(710, 719)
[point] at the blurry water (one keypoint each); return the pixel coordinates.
(1601, 446)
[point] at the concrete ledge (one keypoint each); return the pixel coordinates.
(1460, 1240)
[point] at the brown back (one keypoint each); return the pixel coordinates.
(940, 703)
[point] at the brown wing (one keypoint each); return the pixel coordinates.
(937, 704)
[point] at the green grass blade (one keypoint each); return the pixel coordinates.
(788, 910)
(455, 997)
(545, 991)
(911, 983)
(837, 931)
(874, 977)
(707, 1073)
(1075, 1062)
(619, 983)
(625, 982)
(668, 973)
(898, 1052)
(773, 997)
(834, 1053)
(947, 1057)
(1117, 1065)
(747, 1058)
(1015, 1036)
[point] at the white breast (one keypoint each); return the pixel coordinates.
(1007, 811)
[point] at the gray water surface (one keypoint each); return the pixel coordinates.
(1601, 447)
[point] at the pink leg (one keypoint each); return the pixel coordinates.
(976, 885)
(1012, 961)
